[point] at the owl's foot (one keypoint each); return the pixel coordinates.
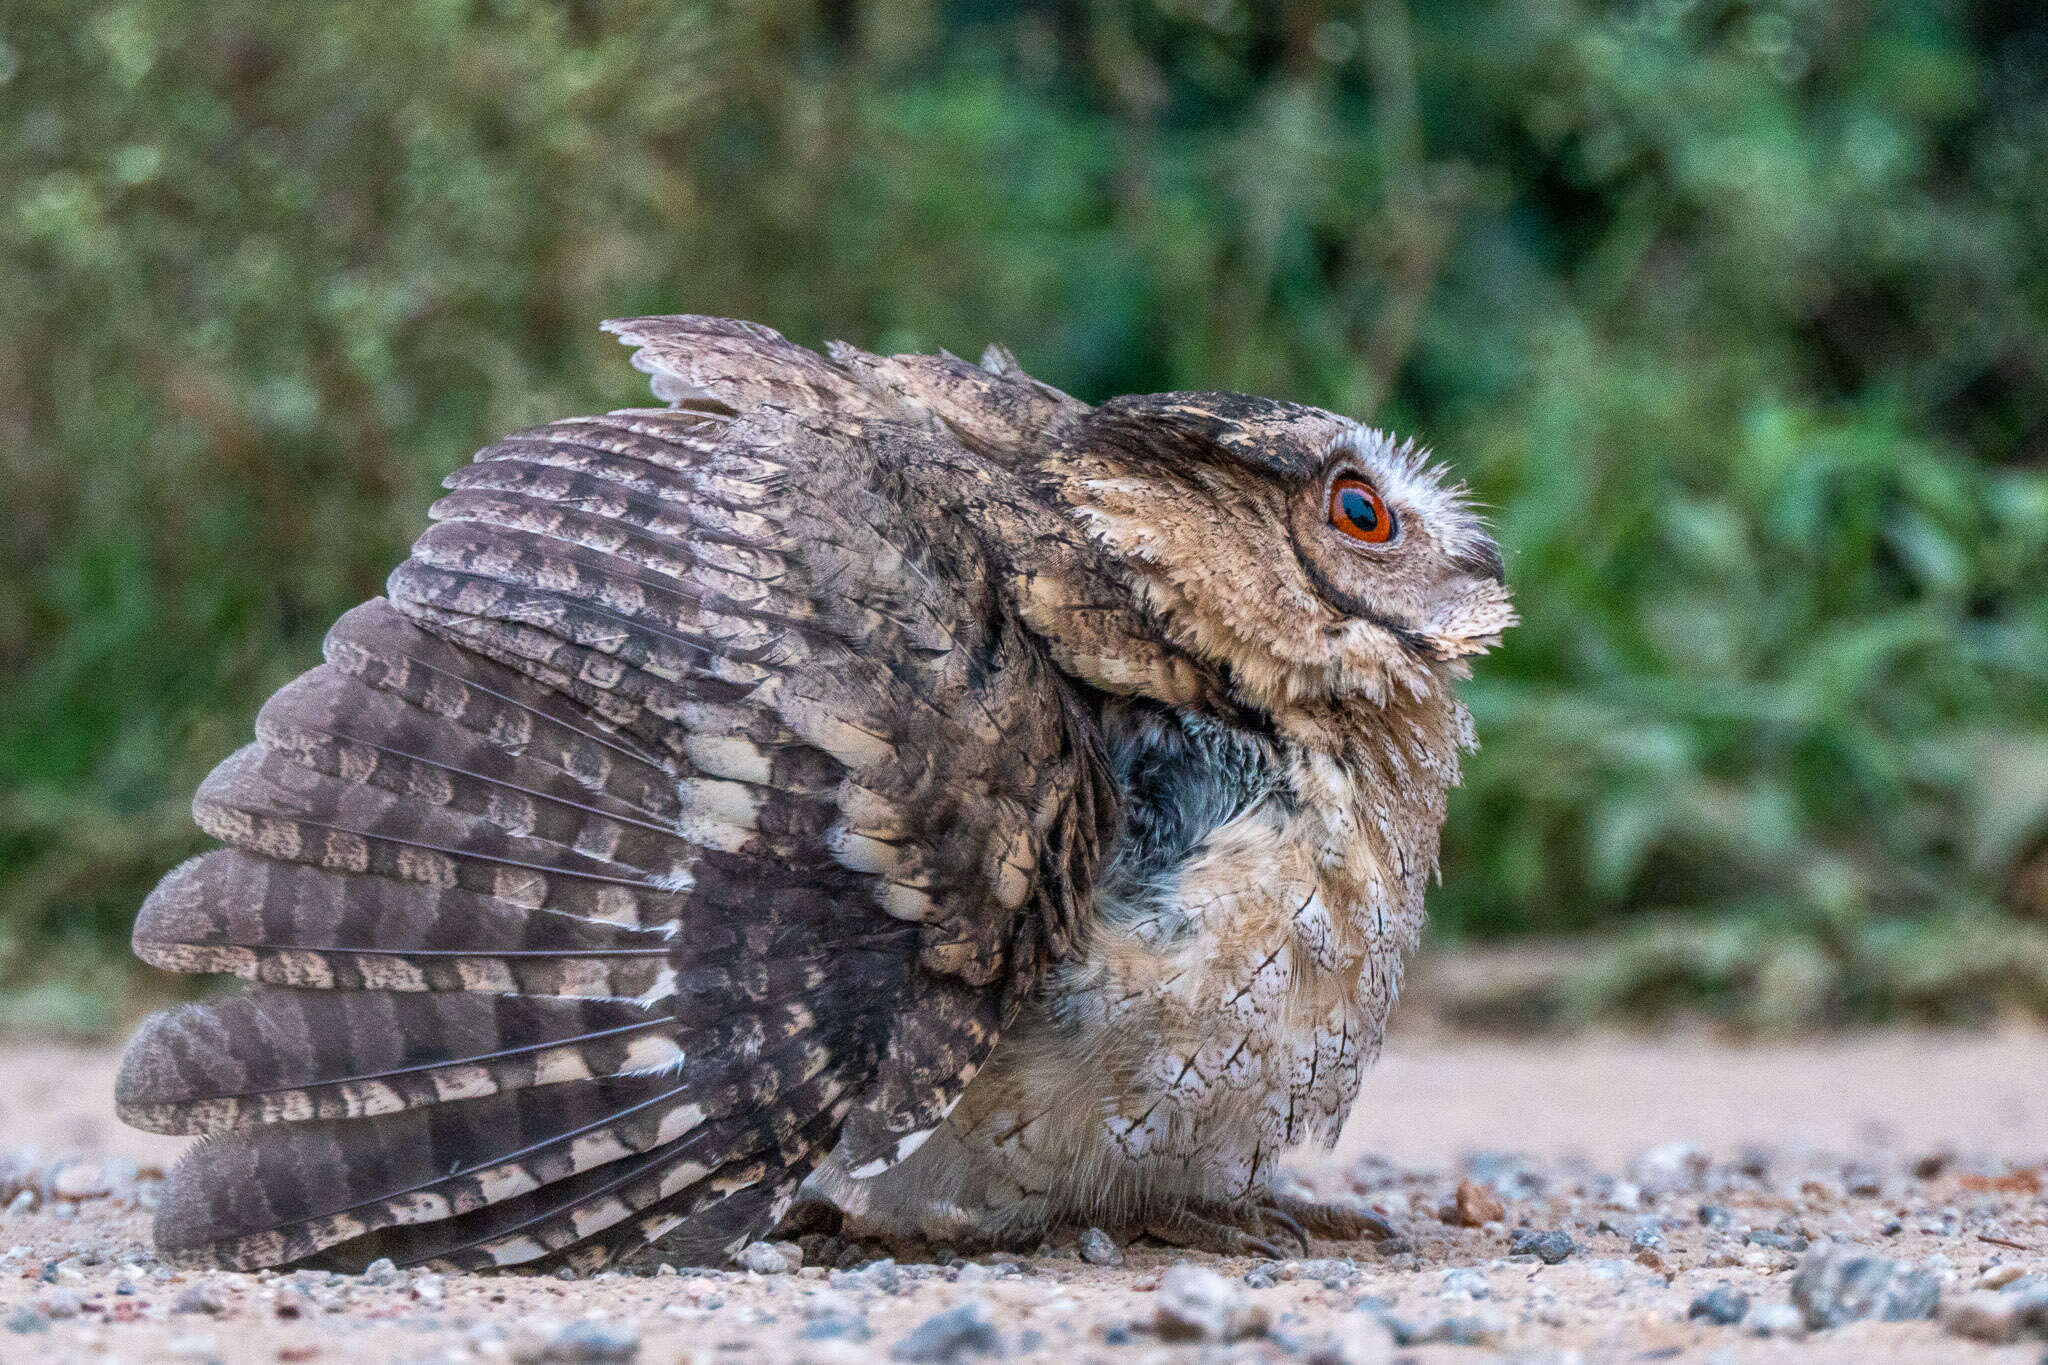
(1262, 1228)
(1334, 1220)
(1277, 1226)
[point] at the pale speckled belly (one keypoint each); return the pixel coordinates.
(1221, 1012)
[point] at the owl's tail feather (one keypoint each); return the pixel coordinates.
(485, 1026)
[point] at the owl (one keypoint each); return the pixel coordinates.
(882, 780)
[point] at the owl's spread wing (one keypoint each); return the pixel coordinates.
(694, 802)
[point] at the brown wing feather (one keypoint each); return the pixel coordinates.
(696, 802)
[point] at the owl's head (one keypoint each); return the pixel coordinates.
(1306, 556)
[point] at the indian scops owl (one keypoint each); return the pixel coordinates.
(885, 773)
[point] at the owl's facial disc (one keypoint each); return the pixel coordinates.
(1394, 551)
(1311, 559)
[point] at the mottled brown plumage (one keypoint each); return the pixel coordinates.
(885, 772)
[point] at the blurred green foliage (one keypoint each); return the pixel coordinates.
(1737, 313)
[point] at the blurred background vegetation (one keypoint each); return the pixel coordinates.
(1736, 314)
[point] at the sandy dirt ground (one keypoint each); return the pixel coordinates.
(1829, 1184)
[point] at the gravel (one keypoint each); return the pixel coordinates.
(587, 1342)
(1475, 1205)
(1774, 1320)
(968, 1329)
(1838, 1284)
(1553, 1247)
(383, 1273)
(26, 1321)
(1722, 1305)
(1197, 1304)
(1997, 1318)
(763, 1259)
(1968, 1238)
(1098, 1248)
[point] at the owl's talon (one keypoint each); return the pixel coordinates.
(1334, 1220)
(1222, 1232)
(1273, 1211)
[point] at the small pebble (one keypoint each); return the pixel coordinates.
(1774, 1320)
(963, 1330)
(1996, 1318)
(82, 1180)
(836, 1325)
(1467, 1329)
(61, 1303)
(1671, 1168)
(27, 1320)
(1550, 1247)
(1722, 1305)
(588, 1342)
(1197, 1304)
(763, 1259)
(1999, 1276)
(1476, 1205)
(1837, 1284)
(200, 1298)
(1098, 1249)
(1365, 1341)
(1465, 1281)
(1331, 1272)
(382, 1273)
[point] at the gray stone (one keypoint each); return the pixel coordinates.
(884, 1276)
(1776, 1241)
(1550, 1247)
(82, 1180)
(1466, 1281)
(837, 1325)
(1722, 1305)
(1671, 1168)
(61, 1303)
(383, 1273)
(966, 1329)
(580, 1343)
(1098, 1249)
(1837, 1284)
(763, 1259)
(1364, 1341)
(1331, 1272)
(1998, 1318)
(25, 1321)
(200, 1298)
(1774, 1320)
(1197, 1304)
(1462, 1329)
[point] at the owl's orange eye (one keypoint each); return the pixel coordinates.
(1357, 510)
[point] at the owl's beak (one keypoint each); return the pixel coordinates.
(1483, 561)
